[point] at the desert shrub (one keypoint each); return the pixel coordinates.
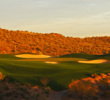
(2, 76)
(8, 94)
(103, 84)
(94, 75)
(1, 96)
(83, 89)
(108, 74)
(55, 44)
(6, 88)
(106, 94)
(45, 81)
(47, 92)
(95, 98)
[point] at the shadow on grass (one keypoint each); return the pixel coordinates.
(52, 84)
(36, 81)
(56, 86)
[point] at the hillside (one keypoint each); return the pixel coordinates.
(54, 44)
(87, 56)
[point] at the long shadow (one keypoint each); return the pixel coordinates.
(37, 81)
(56, 86)
(52, 84)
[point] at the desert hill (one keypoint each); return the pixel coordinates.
(53, 44)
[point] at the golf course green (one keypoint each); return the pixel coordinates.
(60, 75)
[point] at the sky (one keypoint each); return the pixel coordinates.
(76, 18)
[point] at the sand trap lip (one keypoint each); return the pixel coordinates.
(97, 61)
(32, 56)
(48, 62)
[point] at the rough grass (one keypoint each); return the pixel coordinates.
(60, 75)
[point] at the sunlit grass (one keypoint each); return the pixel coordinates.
(60, 75)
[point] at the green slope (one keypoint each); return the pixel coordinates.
(87, 56)
(59, 74)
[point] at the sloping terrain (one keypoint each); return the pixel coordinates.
(54, 44)
(60, 75)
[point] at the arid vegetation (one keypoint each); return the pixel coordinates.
(44, 81)
(53, 44)
(1, 76)
(96, 87)
(16, 91)
(65, 69)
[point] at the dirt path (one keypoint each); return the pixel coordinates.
(58, 95)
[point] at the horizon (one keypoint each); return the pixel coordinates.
(81, 18)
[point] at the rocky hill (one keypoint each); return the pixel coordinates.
(53, 44)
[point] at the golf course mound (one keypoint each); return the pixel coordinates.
(97, 61)
(32, 56)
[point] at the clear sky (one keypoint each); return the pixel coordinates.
(77, 18)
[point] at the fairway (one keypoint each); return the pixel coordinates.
(60, 75)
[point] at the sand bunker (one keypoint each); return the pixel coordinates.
(51, 62)
(32, 56)
(97, 61)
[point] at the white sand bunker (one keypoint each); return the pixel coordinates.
(97, 61)
(32, 56)
(51, 62)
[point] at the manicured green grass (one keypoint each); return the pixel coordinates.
(60, 75)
